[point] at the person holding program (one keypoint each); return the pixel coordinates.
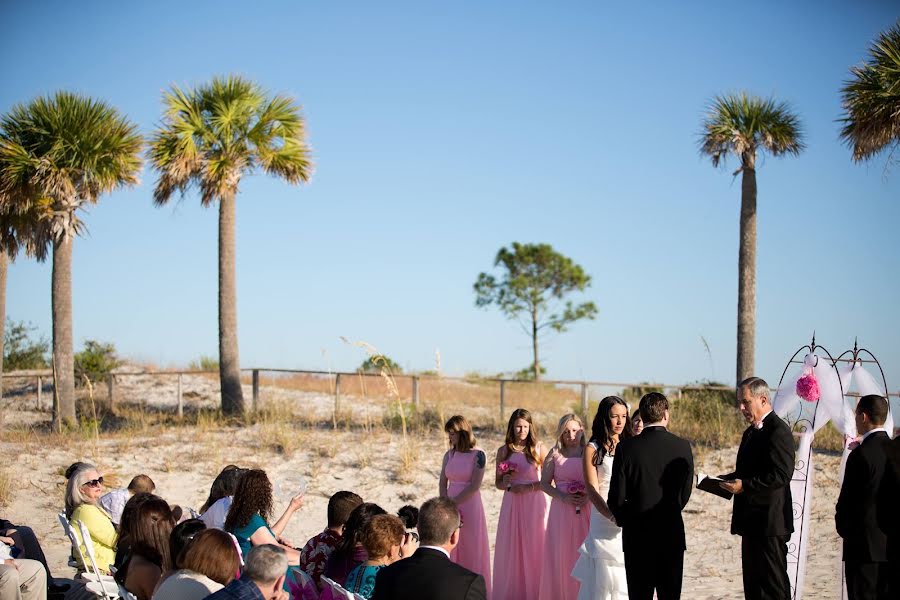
(601, 563)
(856, 513)
(429, 572)
(569, 518)
(652, 479)
(522, 527)
(761, 484)
(462, 473)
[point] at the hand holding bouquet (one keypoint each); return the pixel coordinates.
(507, 468)
(574, 489)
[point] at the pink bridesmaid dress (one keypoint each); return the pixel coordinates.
(521, 530)
(566, 530)
(473, 551)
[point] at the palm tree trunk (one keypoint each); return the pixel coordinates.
(63, 358)
(534, 344)
(3, 264)
(746, 328)
(229, 361)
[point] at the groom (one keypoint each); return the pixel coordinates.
(652, 478)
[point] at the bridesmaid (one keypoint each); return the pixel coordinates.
(570, 516)
(461, 475)
(521, 529)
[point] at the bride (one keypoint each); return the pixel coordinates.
(601, 564)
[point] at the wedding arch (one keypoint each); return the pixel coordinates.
(816, 394)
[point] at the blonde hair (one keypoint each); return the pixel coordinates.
(466, 439)
(561, 429)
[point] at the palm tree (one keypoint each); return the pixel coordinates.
(745, 125)
(872, 99)
(58, 154)
(211, 137)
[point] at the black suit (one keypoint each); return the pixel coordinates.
(889, 516)
(652, 479)
(428, 574)
(865, 545)
(763, 511)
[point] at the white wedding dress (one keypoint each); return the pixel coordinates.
(601, 564)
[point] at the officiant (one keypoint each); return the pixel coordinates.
(762, 511)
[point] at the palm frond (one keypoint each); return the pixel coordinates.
(742, 125)
(871, 99)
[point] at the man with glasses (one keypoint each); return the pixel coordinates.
(429, 572)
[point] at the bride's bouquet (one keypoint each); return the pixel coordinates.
(504, 468)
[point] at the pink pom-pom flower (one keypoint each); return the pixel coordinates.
(506, 467)
(808, 387)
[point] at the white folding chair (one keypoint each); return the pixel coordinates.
(105, 589)
(337, 590)
(95, 582)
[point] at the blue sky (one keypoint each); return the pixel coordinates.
(443, 131)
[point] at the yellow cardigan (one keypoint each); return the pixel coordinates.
(103, 535)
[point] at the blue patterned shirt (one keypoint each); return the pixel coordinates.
(361, 580)
(239, 589)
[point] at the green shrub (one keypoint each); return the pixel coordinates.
(205, 363)
(96, 361)
(20, 351)
(374, 364)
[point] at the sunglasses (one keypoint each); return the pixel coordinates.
(93, 482)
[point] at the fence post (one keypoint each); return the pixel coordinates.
(180, 397)
(584, 402)
(415, 390)
(337, 395)
(255, 389)
(110, 390)
(40, 385)
(502, 400)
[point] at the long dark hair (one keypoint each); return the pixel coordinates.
(223, 485)
(253, 495)
(530, 450)
(601, 428)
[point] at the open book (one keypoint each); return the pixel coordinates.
(711, 485)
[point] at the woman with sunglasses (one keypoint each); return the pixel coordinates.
(83, 492)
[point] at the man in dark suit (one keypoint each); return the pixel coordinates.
(652, 478)
(761, 484)
(889, 516)
(429, 572)
(856, 514)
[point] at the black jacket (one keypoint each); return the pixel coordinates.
(428, 574)
(889, 500)
(652, 479)
(856, 511)
(765, 465)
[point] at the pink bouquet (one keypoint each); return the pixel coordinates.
(504, 468)
(576, 488)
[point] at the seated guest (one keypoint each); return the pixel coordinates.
(23, 538)
(113, 502)
(262, 579)
(70, 470)
(148, 536)
(208, 563)
(381, 538)
(409, 514)
(129, 513)
(181, 534)
(20, 578)
(250, 512)
(316, 551)
(429, 572)
(350, 552)
(215, 509)
(83, 492)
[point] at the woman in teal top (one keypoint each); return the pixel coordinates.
(250, 511)
(383, 537)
